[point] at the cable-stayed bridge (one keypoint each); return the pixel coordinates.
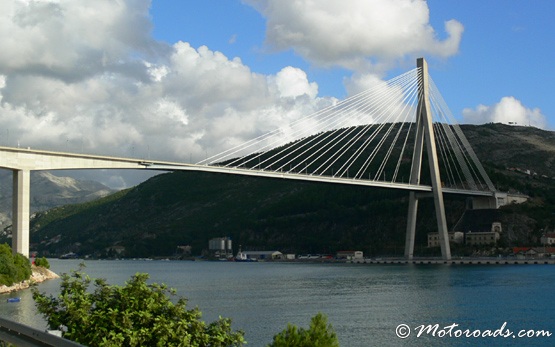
(369, 137)
(379, 138)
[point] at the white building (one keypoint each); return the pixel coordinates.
(454, 237)
(482, 238)
(548, 239)
(263, 255)
(350, 255)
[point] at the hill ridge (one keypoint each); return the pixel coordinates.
(188, 208)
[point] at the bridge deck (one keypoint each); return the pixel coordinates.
(311, 178)
(23, 161)
(32, 159)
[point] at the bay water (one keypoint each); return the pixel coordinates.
(367, 304)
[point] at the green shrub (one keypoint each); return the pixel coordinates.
(13, 268)
(319, 334)
(22, 267)
(136, 314)
(42, 262)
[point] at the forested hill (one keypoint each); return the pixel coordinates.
(48, 191)
(189, 208)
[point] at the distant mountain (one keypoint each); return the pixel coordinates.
(189, 208)
(48, 191)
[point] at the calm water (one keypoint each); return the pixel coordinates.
(364, 303)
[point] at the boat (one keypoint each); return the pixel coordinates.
(69, 256)
(13, 299)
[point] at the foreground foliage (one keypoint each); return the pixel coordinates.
(42, 262)
(319, 334)
(136, 314)
(14, 268)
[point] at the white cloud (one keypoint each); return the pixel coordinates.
(361, 82)
(293, 82)
(88, 76)
(72, 40)
(508, 111)
(359, 35)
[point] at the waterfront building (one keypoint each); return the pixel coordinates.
(548, 239)
(454, 237)
(481, 238)
(534, 252)
(263, 255)
(220, 247)
(350, 255)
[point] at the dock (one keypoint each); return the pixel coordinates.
(462, 261)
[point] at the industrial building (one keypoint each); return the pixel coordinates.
(220, 247)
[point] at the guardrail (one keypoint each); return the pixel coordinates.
(25, 336)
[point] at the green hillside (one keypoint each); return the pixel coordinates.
(189, 208)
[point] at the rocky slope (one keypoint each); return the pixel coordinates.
(48, 191)
(39, 275)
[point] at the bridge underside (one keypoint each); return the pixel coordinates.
(23, 161)
(314, 178)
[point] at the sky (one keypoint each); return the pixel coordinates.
(183, 80)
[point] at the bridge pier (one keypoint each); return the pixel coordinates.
(411, 226)
(20, 211)
(23, 161)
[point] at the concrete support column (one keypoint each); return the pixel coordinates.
(433, 162)
(425, 134)
(416, 169)
(411, 226)
(21, 209)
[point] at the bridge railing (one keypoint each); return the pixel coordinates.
(26, 336)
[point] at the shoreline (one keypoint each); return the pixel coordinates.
(39, 275)
(377, 260)
(460, 261)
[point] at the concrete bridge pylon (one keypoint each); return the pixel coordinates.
(20, 211)
(425, 133)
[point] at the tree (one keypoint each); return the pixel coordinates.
(136, 314)
(13, 267)
(319, 334)
(42, 262)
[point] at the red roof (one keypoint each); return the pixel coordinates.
(520, 249)
(550, 250)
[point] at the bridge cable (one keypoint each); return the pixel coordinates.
(256, 141)
(350, 107)
(343, 169)
(341, 120)
(410, 97)
(353, 139)
(462, 138)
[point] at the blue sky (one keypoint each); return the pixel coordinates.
(507, 48)
(183, 80)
